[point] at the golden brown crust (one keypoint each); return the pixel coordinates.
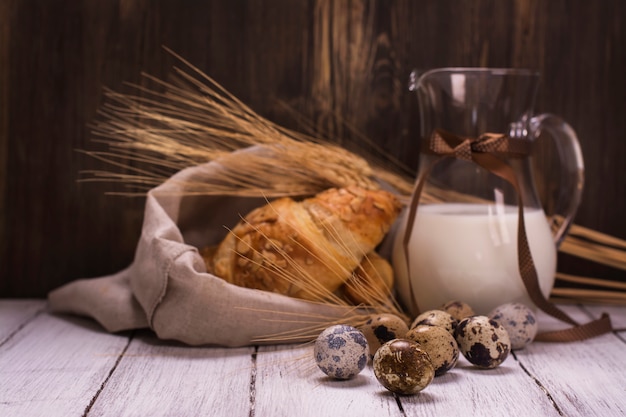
(354, 217)
(305, 249)
(371, 281)
(208, 254)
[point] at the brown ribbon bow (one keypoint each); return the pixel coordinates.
(486, 151)
(447, 144)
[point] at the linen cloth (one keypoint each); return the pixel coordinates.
(167, 288)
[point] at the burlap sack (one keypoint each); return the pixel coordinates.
(167, 288)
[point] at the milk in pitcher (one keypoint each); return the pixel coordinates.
(468, 252)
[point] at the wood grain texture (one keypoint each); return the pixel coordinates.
(5, 8)
(617, 319)
(579, 369)
(577, 372)
(14, 314)
(159, 378)
(55, 366)
(469, 390)
(68, 367)
(302, 386)
(333, 61)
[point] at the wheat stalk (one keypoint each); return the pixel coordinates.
(195, 121)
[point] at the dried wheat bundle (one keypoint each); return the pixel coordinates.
(596, 247)
(191, 120)
(196, 121)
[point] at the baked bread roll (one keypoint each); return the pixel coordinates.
(306, 249)
(371, 282)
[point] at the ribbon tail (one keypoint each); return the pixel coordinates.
(588, 330)
(412, 212)
(528, 271)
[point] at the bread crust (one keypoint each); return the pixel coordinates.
(306, 249)
(371, 281)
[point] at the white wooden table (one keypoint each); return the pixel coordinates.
(68, 366)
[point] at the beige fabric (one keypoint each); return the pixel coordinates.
(166, 287)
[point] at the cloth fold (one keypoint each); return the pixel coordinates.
(167, 288)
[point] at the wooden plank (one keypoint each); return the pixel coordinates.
(156, 378)
(476, 392)
(5, 39)
(15, 313)
(288, 382)
(583, 378)
(549, 323)
(54, 366)
(466, 390)
(68, 367)
(616, 312)
(301, 386)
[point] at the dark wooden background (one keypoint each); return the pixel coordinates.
(328, 59)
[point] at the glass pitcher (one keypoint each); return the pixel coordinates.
(458, 240)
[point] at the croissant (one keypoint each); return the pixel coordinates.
(371, 281)
(305, 249)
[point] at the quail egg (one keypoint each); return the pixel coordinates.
(483, 342)
(341, 351)
(403, 367)
(436, 318)
(519, 321)
(458, 309)
(439, 344)
(381, 328)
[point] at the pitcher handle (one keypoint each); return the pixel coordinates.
(572, 170)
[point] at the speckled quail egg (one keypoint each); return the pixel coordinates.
(483, 342)
(458, 309)
(519, 321)
(403, 367)
(436, 318)
(439, 344)
(381, 328)
(341, 351)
